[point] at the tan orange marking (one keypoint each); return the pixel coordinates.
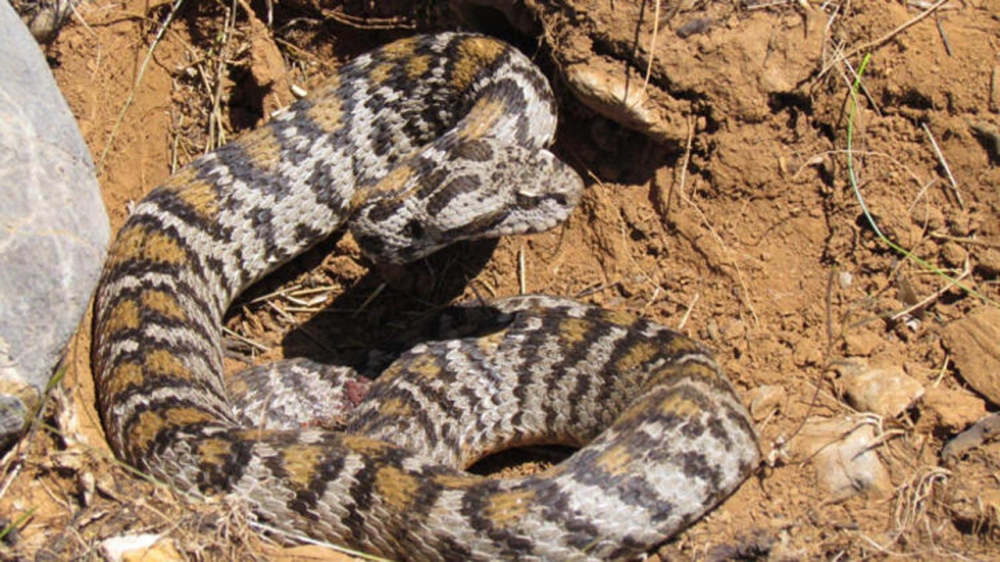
(456, 481)
(422, 366)
(124, 376)
(365, 446)
(180, 180)
(677, 404)
(136, 242)
(300, 461)
(618, 317)
(690, 370)
(508, 507)
(327, 114)
(482, 119)
(402, 48)
(263, 148)
(417, 66)
(616, 460)
(215, 452)
(574, 330)
(425, 367)
(146, 429)
(683, 346)
(326, 88)
(124, 316)
(474, 54)
(636, 355)
(392, 184)
(200, 196)
(380, 72)
(187, 415)
(162, 362)
(489, 344)
(395, 407)
(164, 303)
(150, 424)
(396, 487)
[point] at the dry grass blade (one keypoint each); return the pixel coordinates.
(369, 23)
(243, 339)
(944, 164)
(652, 50)
(952, 282)
(911, 499)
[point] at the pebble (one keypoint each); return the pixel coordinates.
(886, 391)
(766, 400)
(951, 410)
(973, 343)
(843, 452)
(147, 547)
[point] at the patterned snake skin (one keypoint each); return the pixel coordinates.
(424, 142)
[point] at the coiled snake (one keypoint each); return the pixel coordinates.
(421, 143)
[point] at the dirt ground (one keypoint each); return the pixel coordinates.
(726, 210)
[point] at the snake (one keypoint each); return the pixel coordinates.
(419, 144)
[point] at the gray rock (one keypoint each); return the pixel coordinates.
(53, 228)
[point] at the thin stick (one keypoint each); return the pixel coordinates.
(652, 51)
(12, 475)
(952, 281)
(245, 340)
(944, 37)
(943, 371)
(963, 240)
(216, 129)
(944, 164)
(135, 86)
(687, 313)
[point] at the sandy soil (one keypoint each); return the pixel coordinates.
(731, 217)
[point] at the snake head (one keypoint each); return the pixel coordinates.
(481, 189)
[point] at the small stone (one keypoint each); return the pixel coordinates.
(951, 410)
(843, 452)
(845, 279)
(988, 262)
(982, 432)
(886, 391)
(765, 400)
(954, 254)
(974, 345)
(861, 345)
(146, 547)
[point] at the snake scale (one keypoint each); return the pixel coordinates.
(421, 143)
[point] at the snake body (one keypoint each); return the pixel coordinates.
(421, 143)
